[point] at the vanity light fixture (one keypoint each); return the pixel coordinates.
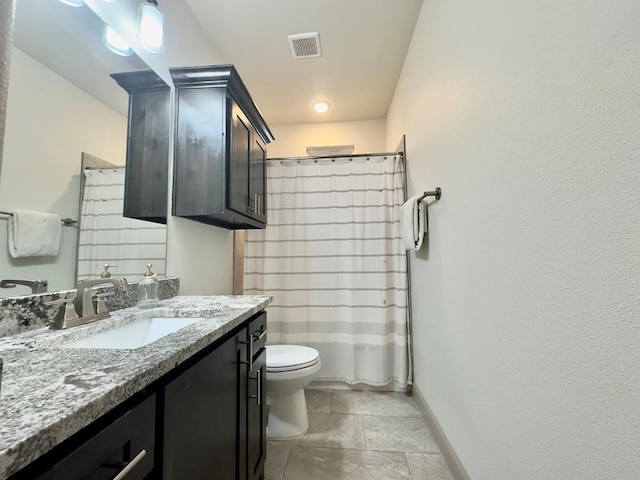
(73, 3)
(115, 42)
(321, 106)
(151, 27)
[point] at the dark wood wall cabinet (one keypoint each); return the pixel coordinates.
(148, 140)
(206, 419)
(220, 149)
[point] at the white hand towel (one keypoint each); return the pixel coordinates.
(413, 223)
(34, 234)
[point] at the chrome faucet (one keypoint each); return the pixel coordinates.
(84, 303)
(37, 286)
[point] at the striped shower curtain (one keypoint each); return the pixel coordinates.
(333, 259)
(108, 237)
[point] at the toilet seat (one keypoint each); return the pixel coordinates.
(284, 358)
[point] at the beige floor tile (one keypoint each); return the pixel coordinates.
(398, 434)
(374, 403)
(333, 431)
(310, 463)
(318, 400)
(277, 456)
(428, 466)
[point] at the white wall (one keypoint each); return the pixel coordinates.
(292, 140)
(201, 255)
(50, 122)
(6, 27)
(527, 300)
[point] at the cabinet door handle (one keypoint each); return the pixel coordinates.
(258, 395)
(130, 465)
(259, 385)
(250, 362)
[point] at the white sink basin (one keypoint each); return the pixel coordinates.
(133, 335)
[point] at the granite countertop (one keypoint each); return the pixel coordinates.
(50, 393)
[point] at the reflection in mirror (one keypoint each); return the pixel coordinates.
(61, 103)
(108, 242)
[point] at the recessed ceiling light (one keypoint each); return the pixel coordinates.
(321, 106)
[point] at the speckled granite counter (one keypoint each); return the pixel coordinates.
(30, 312)
(50, 393)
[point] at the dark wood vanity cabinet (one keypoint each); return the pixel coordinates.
(206, 419)
(215, 416)
(220, 149)
(148, 140)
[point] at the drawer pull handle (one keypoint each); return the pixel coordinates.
(130, 465)
(261, 335)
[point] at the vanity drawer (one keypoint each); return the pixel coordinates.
(257, 332)
(125, 447)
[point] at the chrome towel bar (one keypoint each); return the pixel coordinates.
(67, 222)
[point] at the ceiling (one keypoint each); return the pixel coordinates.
(363, 42)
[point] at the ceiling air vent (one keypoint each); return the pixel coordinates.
(305, 45)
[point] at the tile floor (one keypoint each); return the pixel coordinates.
(358, 435)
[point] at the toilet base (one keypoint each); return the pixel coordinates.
(287, 415)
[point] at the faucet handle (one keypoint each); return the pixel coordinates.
(101, 307)
(65, 314)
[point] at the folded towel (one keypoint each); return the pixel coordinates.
(413, 223)
(34, 234)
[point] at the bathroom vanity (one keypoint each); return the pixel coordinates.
(189, 405)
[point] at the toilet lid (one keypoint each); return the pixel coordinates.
(290, 357)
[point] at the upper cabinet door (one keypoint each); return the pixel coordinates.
(258, 178)
(239, 162)
(149, 133)
(219, 163)
(199, 183)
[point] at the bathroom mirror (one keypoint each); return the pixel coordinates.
(61, 103)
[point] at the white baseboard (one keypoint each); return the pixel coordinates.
(448, 453)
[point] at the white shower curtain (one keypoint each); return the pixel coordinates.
(332, 257)
(108, 237)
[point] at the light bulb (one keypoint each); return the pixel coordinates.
(151, 31)
(321, 106)
(115, 42)
(73, 3)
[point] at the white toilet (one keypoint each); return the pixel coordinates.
(290, 368)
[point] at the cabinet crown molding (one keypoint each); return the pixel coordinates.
(140, 81)
(223, 76)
